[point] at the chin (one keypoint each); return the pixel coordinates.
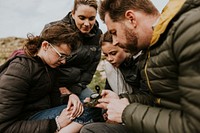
(53, 66)
(85, 31)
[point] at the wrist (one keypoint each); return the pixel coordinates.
(58, 124)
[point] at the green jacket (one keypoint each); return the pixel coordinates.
(171, 70)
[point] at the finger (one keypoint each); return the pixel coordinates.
(75, 109)
(104, 92)
(87, 99)
(104, 100)
(78, 112)
(81, 109)
(102, 105)
(69, 104)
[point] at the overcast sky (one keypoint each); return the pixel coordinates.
(19, 17)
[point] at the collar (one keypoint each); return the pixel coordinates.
(168, 13)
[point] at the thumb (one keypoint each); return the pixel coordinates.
(104, 100)
(69, 105)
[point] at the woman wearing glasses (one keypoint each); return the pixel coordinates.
(30, 102)
(78, 72)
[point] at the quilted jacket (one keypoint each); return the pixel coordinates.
(171, 70)
(26, 87)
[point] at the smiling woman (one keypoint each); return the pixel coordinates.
(77, 73)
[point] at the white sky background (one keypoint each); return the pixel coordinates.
(19, 17)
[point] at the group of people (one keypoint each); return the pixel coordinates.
(152, 73)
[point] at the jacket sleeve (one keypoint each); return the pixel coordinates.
(185, 47)
(87, 75)
(139, 97)
(14, 87)
(75, 77)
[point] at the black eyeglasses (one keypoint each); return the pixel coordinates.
(61, 56)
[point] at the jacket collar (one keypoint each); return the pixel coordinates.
(168, 13)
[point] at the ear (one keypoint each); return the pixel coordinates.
(45, 45)
(130, 15)
(73, 14)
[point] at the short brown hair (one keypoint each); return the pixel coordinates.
(92, 3)
(106, 37)
(117, 8)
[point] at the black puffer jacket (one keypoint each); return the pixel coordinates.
(26, 87)
(79, 71)
(171, 68)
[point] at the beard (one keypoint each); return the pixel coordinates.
(131, 42)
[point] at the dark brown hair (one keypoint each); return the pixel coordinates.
(55, 34)
(106, 37)
(92, 3)
(117, 8)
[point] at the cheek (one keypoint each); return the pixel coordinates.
(120, 58)
(92, 23)
(51, 60)
(78, 22)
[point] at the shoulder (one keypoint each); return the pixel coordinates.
(23, 61)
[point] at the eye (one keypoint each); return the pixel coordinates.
(113, 53)
(92, 18)
(81, 17)
(113, 32)
(106, 55)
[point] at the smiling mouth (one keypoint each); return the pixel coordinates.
(86, 28)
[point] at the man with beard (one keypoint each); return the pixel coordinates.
(169, 65)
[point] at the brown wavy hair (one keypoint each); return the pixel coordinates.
(55, 34)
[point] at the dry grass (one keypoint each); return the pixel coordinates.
(8, 45)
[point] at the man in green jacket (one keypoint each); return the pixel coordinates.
(170, 66)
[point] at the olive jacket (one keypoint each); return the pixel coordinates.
(171, 70)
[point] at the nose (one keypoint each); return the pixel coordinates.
(63, 61)
(86, 22)
(115, 41)
(109, 58)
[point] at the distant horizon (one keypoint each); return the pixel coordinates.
(17, 19)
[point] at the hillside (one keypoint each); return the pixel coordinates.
(8, 45)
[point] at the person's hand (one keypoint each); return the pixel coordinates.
(64, 118)
(107, 95)
(75, 103)
(115, 109)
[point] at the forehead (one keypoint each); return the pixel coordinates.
(85, 10)
(109, 47)
(110, 24)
